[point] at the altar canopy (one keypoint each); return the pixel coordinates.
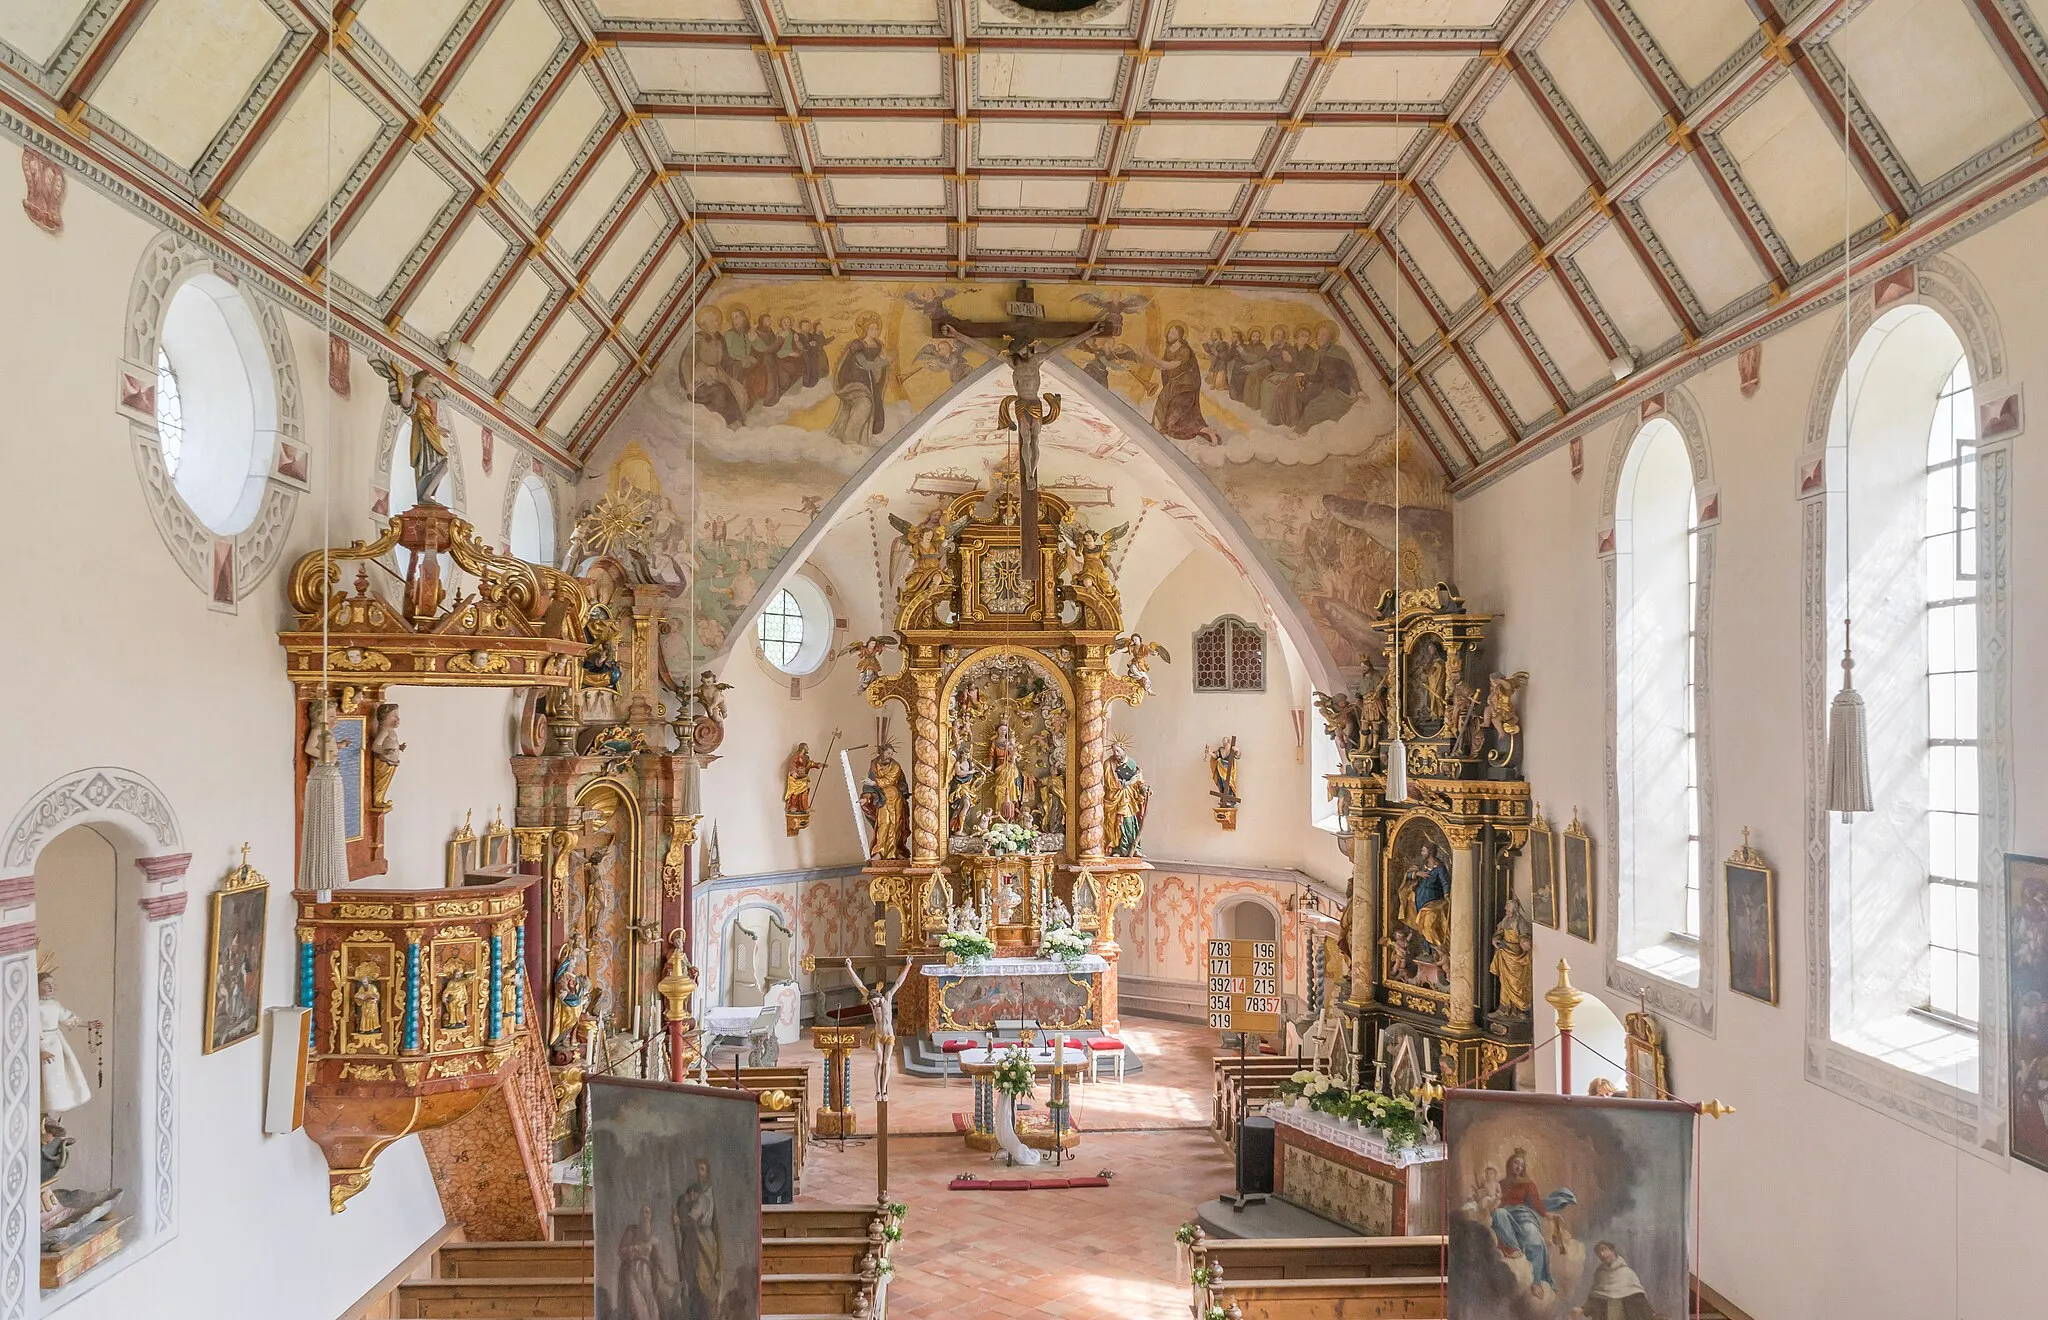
(1007, 680)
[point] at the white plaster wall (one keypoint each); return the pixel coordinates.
(1805, 1192)
(115, 659)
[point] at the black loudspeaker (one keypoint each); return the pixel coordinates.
(1255, 1155)
(778, 1167)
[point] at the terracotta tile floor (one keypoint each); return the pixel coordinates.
(1093, 1254)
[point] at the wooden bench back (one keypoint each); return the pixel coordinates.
(1420, 1298)
(1242, 1259)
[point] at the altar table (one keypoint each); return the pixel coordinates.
(1349, 1175)
(1054, 994)
(980, 1067)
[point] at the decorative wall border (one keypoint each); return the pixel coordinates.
(1976, 1120)
(1690, 1004)
(167, 263)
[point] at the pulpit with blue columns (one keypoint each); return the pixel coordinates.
(420, 1006)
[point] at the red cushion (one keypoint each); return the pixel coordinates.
(1105, 1043)
(955, 1046)
(1087, 1182)
(1008, 1184)
(1075, 1043)
(1050, 1184)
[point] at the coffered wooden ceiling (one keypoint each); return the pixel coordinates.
(1545, 187)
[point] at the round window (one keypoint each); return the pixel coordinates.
(216, 405)
(795, 630)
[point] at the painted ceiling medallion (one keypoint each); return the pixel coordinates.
(1037, 11)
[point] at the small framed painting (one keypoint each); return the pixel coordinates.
(1579, 921)
(1752, 923)
(234, 958)
(1542, 871)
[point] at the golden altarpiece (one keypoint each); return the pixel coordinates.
(1439, 984)
(490, 997)
(1007, 684)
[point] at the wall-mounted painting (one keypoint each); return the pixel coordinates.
(676, 1174)
(1579, 919)
(1567, 1207)
(1542, 871)
(2026, 888)
(234, 958)
(1752, 923)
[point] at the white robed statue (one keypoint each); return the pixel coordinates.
(64, 1084)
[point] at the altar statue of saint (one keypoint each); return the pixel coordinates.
(796, 781)
(1007, 798)
(1052, 803)
(1129, 795)
(417, 395)
(572, 989)
(1426, 899)
(455, 1000)
(64, 1084)
(885, 801)
(385, 750)
(366, 1002)
(882, 1004)
(1511, 958)
(960, 788)
(1223, 759)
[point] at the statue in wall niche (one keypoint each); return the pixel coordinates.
(64, 1084)
(572, 992)
(1052, 803)
(455, 1000)
(961, 787)
(1512, 948)
(418, 396)
(1468, 709)
(366, 1002)
(385, 750)
(1007, 798)
(1129, 796)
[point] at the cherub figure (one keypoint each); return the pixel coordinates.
(927, 541)
(1086, 562)
(867, 656)
(1501, 718)
(418, 395)
(1141, 653)
(711, 695)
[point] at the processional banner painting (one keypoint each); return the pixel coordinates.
(2026, 887)
(1568, 1207)
(676, 1174)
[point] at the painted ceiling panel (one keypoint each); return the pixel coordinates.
(836, 74)
(410, 31)
(1028, 238)
(1038, 140)
(558, 137)
(1504, 360)
(1034, 194)
(1006, 75)
(895, 237)
(1434, 258)
(1230, 13)
(860, 11)
(736, 192)
(1792, 161)
(1347, 201)
(1934, 82)
(740, 233)
(508, 320)
(1534, 158)
(1563, 334)
(1433, 13)
(656, 288)
(186, 71)
(1236, 144)
(306, 156)
(641, 232)
(879, 139)
(1291, 242)
(457, 278)
(1624, 290)
(1597, 80)
(545, 365)
(392, 225)
(1704, 243)
(1142, 238)
(1391, 79)
(596, 373)
(908, 193)
(1208, 79)
(1409, 312)
(1479, 211)
(697, 71)
(1467, 399)
(675, 11)
(1115, 18)
(1181, 195)
(37, 28)
(501, 73)
(1351, 144)
(702, 134)
(1697, 36)
(615, 174)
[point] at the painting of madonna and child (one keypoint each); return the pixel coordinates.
(676, 1181)
(1567, 1209)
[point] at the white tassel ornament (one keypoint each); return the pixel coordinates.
(1397, 771)
(1848, 745)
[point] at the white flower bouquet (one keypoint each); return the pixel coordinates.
(1003, 838)
(969, 946)
(1064, 943)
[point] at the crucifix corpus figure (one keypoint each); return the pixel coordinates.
(1024, 341)
(883, 1006)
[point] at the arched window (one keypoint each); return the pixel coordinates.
(216, 403)
(533, 521)
(1230, 656)
(1656, 629)
(794, 631)
(1902, 563)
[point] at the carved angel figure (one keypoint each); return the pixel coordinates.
(1141, 652)
(1086, 561)
(711, 695)
(1341, 721)
(867, 656)
(1501, 718)
(418, 395)
(928, 541)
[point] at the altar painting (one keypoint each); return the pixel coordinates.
(1005, 752)
(1567, 1209)
(976, 1003)
(676, 1173)
(1417, 939)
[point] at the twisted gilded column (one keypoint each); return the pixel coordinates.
(927, 846)
(1094, 729)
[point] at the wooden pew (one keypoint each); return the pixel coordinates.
(810, 1294)
(776, 1221)
(553, 1260)
(497, 1299)
(1253, 1079)
(1416, 1298)
(795, 1082)
(1244, 1259)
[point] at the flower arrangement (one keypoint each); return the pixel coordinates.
(969, 946)
(1199, 1276)
(1013, 1075)
(1064, 943)
(1215, 1313)
(1185, 1234)
(1398, 1117)
(1003, 838)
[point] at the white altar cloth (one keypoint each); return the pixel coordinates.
(1087, 962)
(1358, 1140)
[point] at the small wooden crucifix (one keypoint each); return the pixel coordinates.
(1024, 340)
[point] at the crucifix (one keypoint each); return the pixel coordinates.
(1024, 340)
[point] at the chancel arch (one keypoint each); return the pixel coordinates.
(1662, 513)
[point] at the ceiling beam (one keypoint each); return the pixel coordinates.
(73, 92)
(682, 109)
(223, 178)
(1997, 24)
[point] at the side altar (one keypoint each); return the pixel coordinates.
(1019, 815)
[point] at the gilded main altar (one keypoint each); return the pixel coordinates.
(1007, 683)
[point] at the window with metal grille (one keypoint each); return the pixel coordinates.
(782, 630)
(1950, 558)
(1230, 656)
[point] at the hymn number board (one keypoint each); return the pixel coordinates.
(1244, 986)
